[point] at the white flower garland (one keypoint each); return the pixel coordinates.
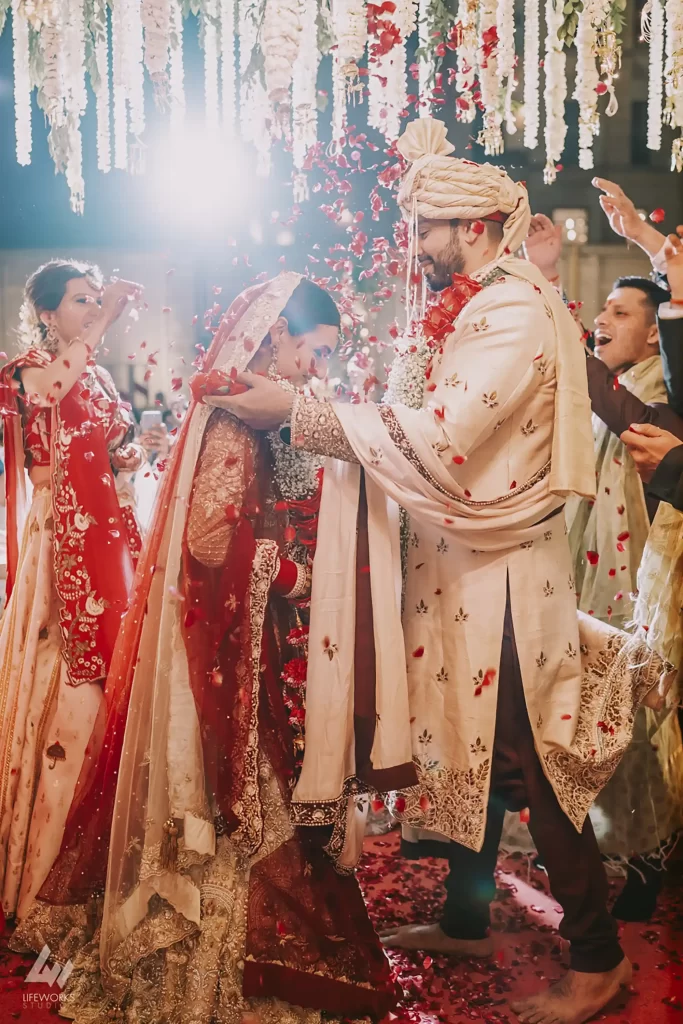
(254, 106)
(587, 80)
(304, 87)
(673, 77)
(425, 66)
(532, 53)
(350, 26)
(210, 34)
(134, 67)
(505, 63)
(491, 136)
(406, 377)
(280, 43)
(466, 61)
(118, 46)
(177, 71)
(387, 89)
(99, 29)
(653, 31)
(76, 99)
(156, 21)
(228, 84)
(555, 91)
(22, 83)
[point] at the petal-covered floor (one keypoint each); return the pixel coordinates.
(437, 989)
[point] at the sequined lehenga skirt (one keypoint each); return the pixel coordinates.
(45, 723)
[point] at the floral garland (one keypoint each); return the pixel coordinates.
(464, 37)
(176, 78)
(673, 77)
(506, 58)
(156, 22)
(387, 89)
(209, 29)
(349, 22)
(118, 44)
(652, 27)
(22, 83)
(532, 50)
(304, 94)
(585, 91)
(280, 43)
(100, 81)
(227, 58)
(555, 92)
(491, 136)
(434, 22)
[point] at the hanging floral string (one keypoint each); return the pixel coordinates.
(349, 22)
(118, 44)
(435, 23)
(99, 78)
(254, 106)
(387, 88)
(135, 81)
(464, 38)
(228, 89)
(532, 53)
(587, 84)
(280, 44)
(22, 83)
(75, 101)
(506, 59)
(673, 78)
(652, 26)
(177, 71)
(491, 136)
(304, 97)
(156, 22)
(555, 91)
(210, 42)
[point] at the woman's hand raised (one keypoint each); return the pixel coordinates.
(116, 297)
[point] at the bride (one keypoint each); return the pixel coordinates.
(215, 908)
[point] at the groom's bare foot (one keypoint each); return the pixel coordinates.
(433, 939)
(575, 999)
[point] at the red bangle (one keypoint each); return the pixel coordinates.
(286, 578)
(676, 302)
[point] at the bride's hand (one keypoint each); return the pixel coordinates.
(265, 406)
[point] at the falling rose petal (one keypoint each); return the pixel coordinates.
(592, 557)
(419, 652)
(478, 691)
(67, 364)
(620, 548)
(565, 718)
(601, 88)
(289, 534)
(459, 459)
(658, 215)
(427, 962)
(525, 816)
(165, 309)
(621, 509)
(623, 536)
(399, 804)
(3, 355)
(378, 805)
(612, 572)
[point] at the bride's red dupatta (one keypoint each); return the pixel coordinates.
(80, 870)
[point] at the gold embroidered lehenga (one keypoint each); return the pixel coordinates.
(214, 904)
(70, 567)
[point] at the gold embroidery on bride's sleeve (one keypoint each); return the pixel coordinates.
(316, 428)
(220, 485)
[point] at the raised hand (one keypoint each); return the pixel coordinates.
(116, 297)
(673, 252)
(543, 246)
(624, 218)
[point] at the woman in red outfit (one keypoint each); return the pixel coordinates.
(213, 901)
(70, 559)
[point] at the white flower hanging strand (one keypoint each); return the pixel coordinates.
(210, 36)
(466, 60)
(76, 99)
(587, 81)
(304, 97)
(118, 46)
(254, 106)
(491, 136)
(555, 92)
(228, 84)
(156, 22)
(387, 88)
(134, 68)
(280, 40)
(673, 78)
(177, 72)
(653, 31)
(532, 53)
(100, 83)
(349, 22)
(22, 83)
(505, 61)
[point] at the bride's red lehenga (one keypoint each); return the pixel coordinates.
(224, 887)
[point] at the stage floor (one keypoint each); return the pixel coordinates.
(528, 948)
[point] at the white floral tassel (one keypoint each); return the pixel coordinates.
(491, 136)
(177, 72)
(466, 56)
(156, 22)
(134, 69)
(280, 40)
(210, 67)
(673, 77)
(228, 88)
(587, 81)
(76, 99)
(654, 31)
(532, 53)
(505, 62)
(388, 87)
(22, 83)
(555, 91)
(349, 22)
(426, 65)
(100, 83)
(118, 46)
(304, 91)
(254, 106)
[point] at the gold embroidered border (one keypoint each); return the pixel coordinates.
(400, 439)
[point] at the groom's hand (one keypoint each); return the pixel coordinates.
(265, 406)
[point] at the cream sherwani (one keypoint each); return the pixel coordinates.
(473, 469)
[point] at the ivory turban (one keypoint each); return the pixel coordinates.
(442, 187)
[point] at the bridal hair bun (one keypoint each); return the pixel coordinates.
(424, 137)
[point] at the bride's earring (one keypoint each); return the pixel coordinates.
(51, 338)
(275, 349)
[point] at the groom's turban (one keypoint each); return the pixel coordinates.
(441, 187)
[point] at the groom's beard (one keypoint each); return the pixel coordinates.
(449, 261)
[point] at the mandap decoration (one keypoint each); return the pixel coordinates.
(262, 60)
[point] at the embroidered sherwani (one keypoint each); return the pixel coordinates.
(473, 467)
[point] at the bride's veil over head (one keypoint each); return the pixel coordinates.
(145, 770)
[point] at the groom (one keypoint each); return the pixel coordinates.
(497, 713)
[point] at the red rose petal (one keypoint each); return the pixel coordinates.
(418, 652)
(657, 216)
(592, 557)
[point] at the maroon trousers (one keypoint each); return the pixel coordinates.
(572, 859)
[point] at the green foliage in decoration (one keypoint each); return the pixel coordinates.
(325, 30)
(437, 26)
(570, 23)
(618, 17)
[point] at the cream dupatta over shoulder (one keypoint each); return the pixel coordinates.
(483, 469)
